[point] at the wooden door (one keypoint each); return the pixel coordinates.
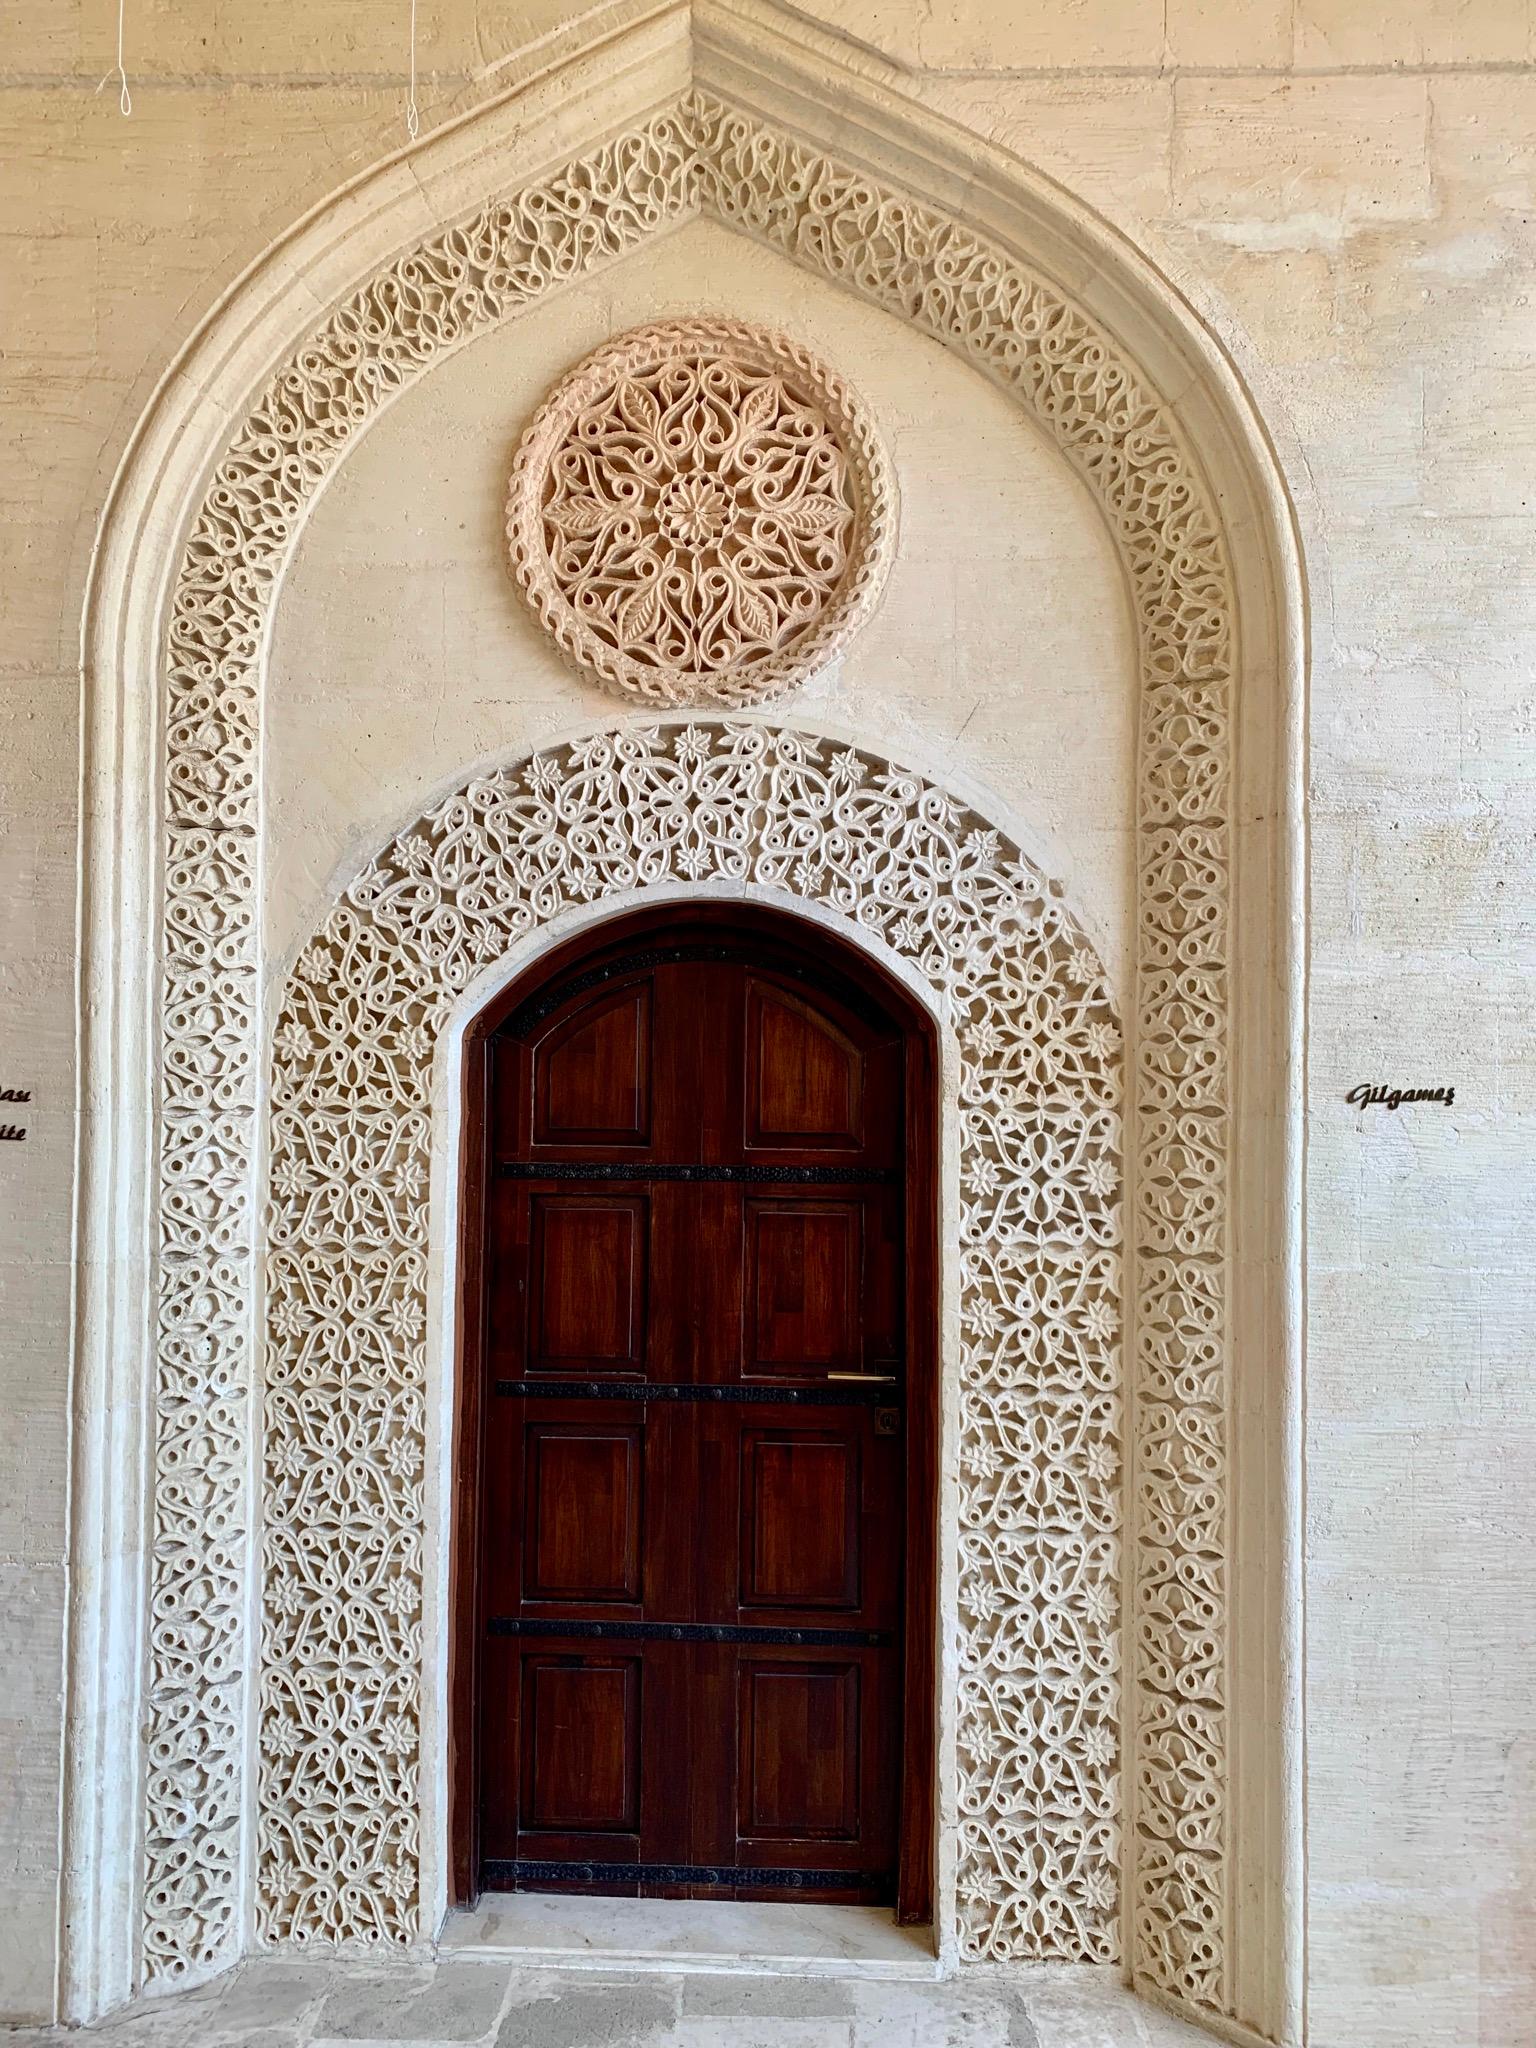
(692, 1515)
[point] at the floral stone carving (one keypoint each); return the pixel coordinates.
(1039, 1292)
(700, 513)
(974, 295)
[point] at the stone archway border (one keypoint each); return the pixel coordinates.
(346, 1442)
(914, 260)
(965, 283)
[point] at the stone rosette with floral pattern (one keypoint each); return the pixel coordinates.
(700, 513)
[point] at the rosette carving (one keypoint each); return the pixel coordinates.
(700, 513)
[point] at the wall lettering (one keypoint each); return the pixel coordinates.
(1377, 1095)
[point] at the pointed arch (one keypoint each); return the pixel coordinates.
(741, 112)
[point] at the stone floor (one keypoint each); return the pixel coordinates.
(542, 1930)
(466, 2002)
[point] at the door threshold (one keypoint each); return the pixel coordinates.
(675, 1936)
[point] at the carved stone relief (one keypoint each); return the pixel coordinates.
(337, 1861)
(700, 513)
(1039, 1450)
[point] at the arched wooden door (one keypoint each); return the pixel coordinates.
(697, 1544)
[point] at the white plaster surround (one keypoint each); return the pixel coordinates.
(1236, 1964)
(1001, 661)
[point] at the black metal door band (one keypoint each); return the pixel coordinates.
(689, 1632)
(880, 1392)
(751, 1176)
(500, 1874)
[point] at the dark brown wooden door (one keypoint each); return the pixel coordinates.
(693, 1526)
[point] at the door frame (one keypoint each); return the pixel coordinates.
(917, 1827)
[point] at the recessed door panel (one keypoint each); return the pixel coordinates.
(592, 1074)
(804, 1076)
(581, 1743)
(586, 1282)
(799, 1770)
(582, 1485)
(800, 1518)
(803, 1285)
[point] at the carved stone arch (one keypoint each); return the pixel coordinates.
(761, 122)
(1035, 1289)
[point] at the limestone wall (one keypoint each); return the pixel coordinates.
(1345, 192)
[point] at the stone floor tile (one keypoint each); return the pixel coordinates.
(575, 2011)
(763, 2031)
(731, 1997)
(270, 1994)
(456, 2001)
(1162, 2030)
(252, 2034)
(133, 2029)
(968, 2013)
(174, 2020)
(1084, 2008)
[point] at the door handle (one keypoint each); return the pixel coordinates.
(868, 1379)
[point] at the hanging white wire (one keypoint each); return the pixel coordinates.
(124, 97)
(412, 116)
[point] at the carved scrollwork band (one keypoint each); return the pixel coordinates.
(1039, 1307)
(700, 513)
(1032, 1754)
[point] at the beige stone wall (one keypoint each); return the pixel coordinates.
(1345, 192)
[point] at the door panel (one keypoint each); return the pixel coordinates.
(587, 1281)
(799, 1772)
(581, 1532)
(581, 1744)
(800, 1519)
(804, 1262)
(592, 1074)
(692, 1525)
(804, 1078)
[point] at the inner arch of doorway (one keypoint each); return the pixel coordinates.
(1036, 1251)
(910, 994)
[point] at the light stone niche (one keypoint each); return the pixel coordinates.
(1000, 659)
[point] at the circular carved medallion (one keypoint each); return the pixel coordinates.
(700, 513)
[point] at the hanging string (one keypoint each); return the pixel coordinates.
(125, 98)
(412, 117)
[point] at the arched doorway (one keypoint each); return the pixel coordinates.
(180, 1793)
(697, 1519)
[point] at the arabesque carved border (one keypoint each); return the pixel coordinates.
(933, 271)
(1039, 1448)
